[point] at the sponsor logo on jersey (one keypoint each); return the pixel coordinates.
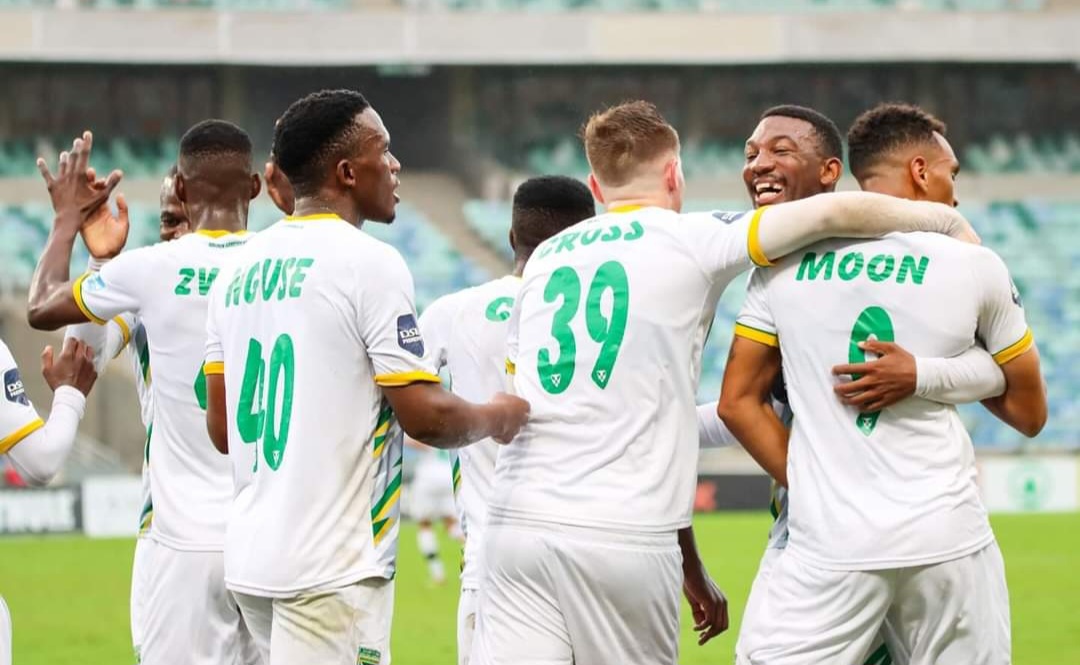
(1016, 295)
(727, 217)
(365, 656)
(408, 335)
(13, 387)
(93, 283)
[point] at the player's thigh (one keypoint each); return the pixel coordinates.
(466, 623)
(817, 616)
(257, 615)
(752, 611)
(620, 597)
(519, 621)
(190, 618)
(954, 612)
(140, 570)
(346, 626)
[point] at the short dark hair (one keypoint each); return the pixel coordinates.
(215, 138)
(315, 131)
(883, 129)
(828, 134)
(544, 206)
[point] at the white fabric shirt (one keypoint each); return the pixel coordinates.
(606, 339)
(898, 487)
(465, 333)
(310, 319)
(126, 334)
(166, 286)
(18, 418)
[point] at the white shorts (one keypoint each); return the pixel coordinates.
(466, 624)
(189, 618)
(878, 655)
(140, 568)
(431, 499)
(951, 612)
(346, 626)
(557, 595)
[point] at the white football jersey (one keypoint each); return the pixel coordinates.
(18, 418)
(307, 323)
(166, 286)
(897, 487)
(126, 334)
(465, 333)
(606, 341)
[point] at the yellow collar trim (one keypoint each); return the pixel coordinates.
(218, 233)
(628, 208)
(320, 217)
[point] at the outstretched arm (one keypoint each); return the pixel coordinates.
(78, 199)
(787, 227)
(746, 407)
(440, 419)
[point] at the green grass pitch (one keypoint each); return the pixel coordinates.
(69, 595)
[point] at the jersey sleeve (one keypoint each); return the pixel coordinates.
(435, 329)
(1002, 326)
(512, 335)
(107, 341)
(388, 324)
(214, 362)
(116, 289)
(755, 321)
(18, 418)
(726, 243)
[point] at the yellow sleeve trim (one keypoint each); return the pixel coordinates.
(9, 441)
(753, 243)
(755, 335)
(511, 368)
(76, 291)
(214, 367)
(405, 378)
(1018, 348)
(125, 332)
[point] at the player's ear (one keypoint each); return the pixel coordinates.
(918, 169)
(671, 175)
(256, 186)
(513, 240)
(831, 171)
(594, 187)
(181, 188)
(345, 173)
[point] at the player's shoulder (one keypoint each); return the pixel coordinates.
(6, 359)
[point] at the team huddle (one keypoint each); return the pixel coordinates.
(288, 364)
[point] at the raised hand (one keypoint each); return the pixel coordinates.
(80, 199)
(74, 367)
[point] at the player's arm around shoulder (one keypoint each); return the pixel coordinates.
(1003, 328)
(217, 422)
(786, 227)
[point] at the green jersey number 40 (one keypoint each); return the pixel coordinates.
(607, 331)
(257, 416)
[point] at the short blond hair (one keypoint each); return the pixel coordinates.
(620, 139)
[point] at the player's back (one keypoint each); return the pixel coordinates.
(896, 487)
(466, 332)
(606, 342)
(167, 286)
(315, 447)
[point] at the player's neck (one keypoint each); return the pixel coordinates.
(318, 205)
(231, 219)
(626, 203)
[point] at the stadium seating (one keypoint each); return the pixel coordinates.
(136, 158)
(1023, 153)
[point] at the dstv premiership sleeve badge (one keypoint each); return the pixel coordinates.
(13, 387)
(409, 337)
